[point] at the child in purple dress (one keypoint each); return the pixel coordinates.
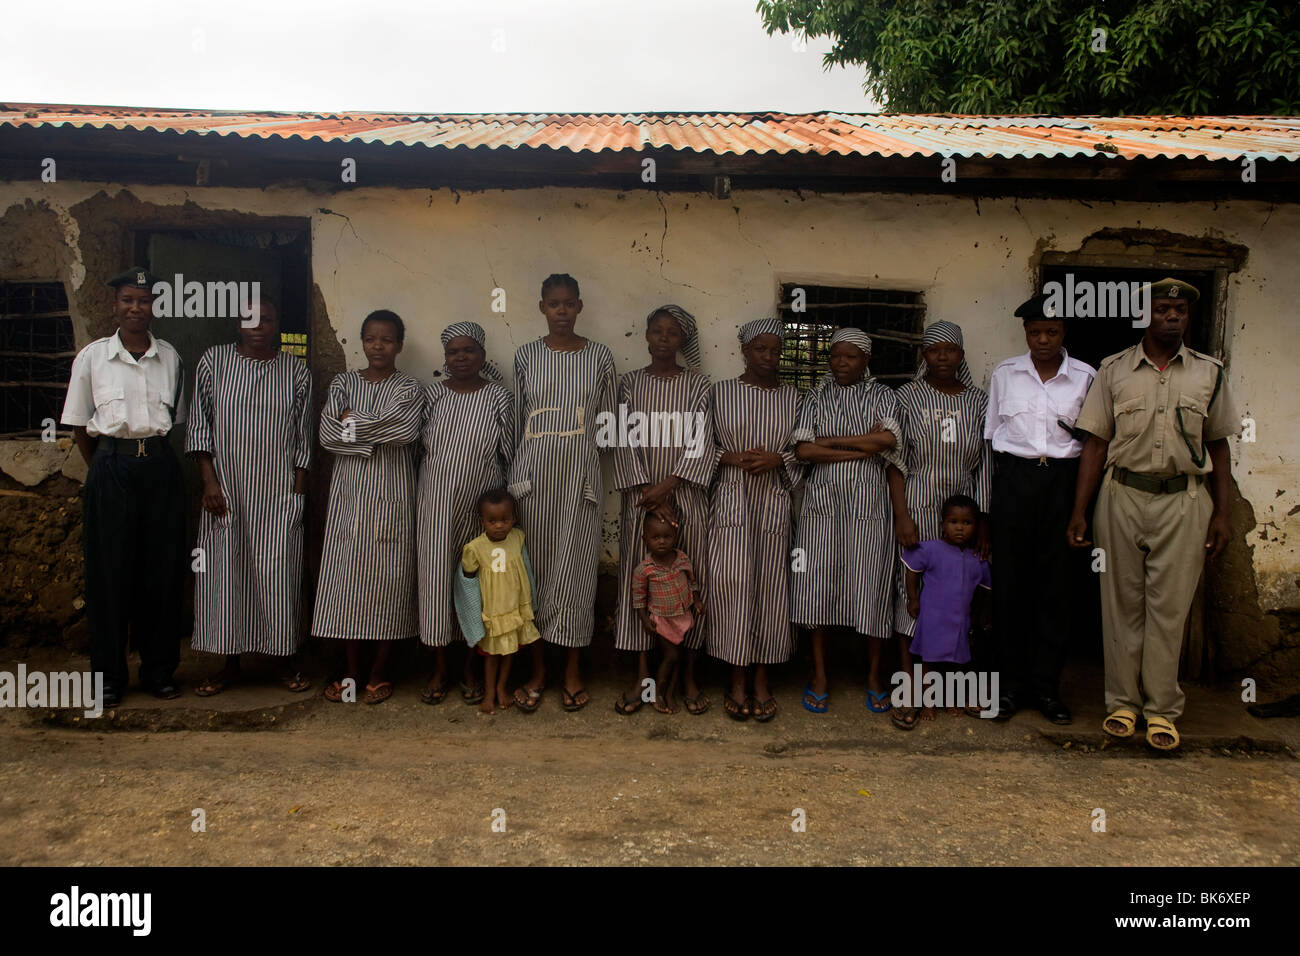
(942, 578)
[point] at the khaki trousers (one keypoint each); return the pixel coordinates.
(1155, 551)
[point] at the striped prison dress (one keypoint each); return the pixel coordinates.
(937, 469)
(686, 394)
(468, 440)
(367, 574)
(747, 618)
(846, 525)
(254, 417)
(556, 477)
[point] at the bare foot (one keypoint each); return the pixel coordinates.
(951, 711)
(927, 713)
(487, 706)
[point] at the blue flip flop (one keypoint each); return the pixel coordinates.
(823, 700)
(874, 699)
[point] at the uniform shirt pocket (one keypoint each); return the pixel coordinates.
(1130, 418)
(1067, 408)
(1020, 418)
(105, 395)
(1191, 416)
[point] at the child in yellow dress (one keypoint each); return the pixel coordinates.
(496, 616)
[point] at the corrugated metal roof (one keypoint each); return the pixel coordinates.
(827, 134)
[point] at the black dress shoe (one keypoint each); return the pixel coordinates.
(1007, 706)
(1055, 710)
(166, 690)
(111, 697)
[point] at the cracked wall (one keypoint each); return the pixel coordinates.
(436, 257)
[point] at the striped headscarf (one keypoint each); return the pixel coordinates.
(474, 331)
(691, 341)
(950, 333)
(853, 337)
(752, 330)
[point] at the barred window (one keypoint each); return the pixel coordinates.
(295, 343)
(893, 318)
(37, 347)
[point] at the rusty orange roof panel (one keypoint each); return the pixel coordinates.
(826, 134)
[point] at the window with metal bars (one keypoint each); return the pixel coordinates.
(893, 318)
(37, 347)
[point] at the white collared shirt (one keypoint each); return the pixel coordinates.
(113, 394)
(1024, 410)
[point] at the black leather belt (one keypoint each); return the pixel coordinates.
(1150, 483)
(135, 447)
(1007, 459)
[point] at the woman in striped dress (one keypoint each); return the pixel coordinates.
(250, 432)
(564, 382)
(671, 474)
(847, 429)
(366, 591)
(748, 622)
(468, 439)
(942, 414)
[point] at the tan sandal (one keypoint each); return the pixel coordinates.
(1124, 717)
(1159, 725)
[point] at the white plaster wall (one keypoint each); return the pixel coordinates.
(436, 257)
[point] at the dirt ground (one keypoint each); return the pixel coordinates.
(404, 783)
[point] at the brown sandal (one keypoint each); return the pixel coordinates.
(378, 693)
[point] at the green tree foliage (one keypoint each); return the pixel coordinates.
(1045, 56)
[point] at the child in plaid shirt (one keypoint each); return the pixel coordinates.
(664, 594)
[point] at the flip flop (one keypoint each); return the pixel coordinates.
(874, 702)
(906, 718)
(431, 696)
(570, 701)
(735, 710)
(697, 705)
(295, 682)
(623, 707)
(378, 693)
(472, 695)
(1159, 725)
(766, 710)
(1126, 718)
(820, 702)
(528, 699)
(210, 687)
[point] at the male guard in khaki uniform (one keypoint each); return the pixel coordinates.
(1159, 416)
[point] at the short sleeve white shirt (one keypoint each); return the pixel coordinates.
(1025, 412)
(112, 393)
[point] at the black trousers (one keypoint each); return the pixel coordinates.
(1035, 572)
(134, 545)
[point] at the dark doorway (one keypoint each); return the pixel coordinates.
(1091, 340)
(278, 258)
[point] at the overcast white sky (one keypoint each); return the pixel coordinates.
(446, 56)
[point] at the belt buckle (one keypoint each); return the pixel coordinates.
(139, 448)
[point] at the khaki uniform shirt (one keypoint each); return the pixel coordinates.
(1136, 407)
